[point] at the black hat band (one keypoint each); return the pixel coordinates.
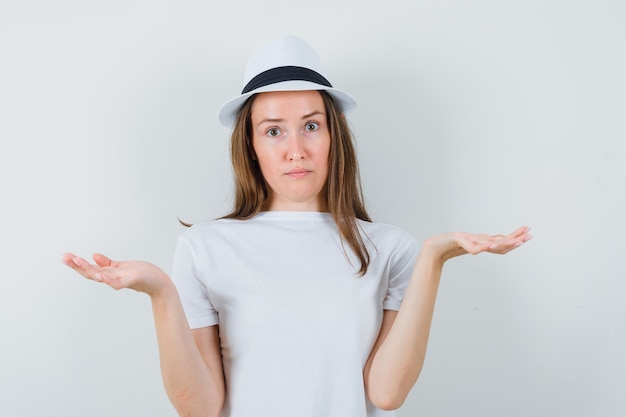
(288, 73)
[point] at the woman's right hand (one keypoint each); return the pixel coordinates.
(137, 275)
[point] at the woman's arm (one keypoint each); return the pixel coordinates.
(191, 363)
(398, 354)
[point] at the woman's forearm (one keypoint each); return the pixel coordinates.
(193, 380)
(193, 388)
(397, 361)
(398, 355)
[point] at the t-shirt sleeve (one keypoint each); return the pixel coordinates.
(193, 293)
(401, 263)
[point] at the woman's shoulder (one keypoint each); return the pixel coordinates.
(202, 229)
(382, 228)
(380, 233)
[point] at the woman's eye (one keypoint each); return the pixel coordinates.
(274, 132)
(312, 126)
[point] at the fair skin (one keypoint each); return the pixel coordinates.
(291, 143)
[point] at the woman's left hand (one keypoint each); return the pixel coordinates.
(450, 245)
(137, 275)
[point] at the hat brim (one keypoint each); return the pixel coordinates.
(227, 114)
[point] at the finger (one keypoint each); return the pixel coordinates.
(84, 268)
(115, 282)
(104, 277)
(519, 232)
(523, 237)
(526, 238)
(508, 245)
(72, 261)
(81, 262)
(68, 259)
(102, 260)
(516, 238)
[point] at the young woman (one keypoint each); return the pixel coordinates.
(296, 303)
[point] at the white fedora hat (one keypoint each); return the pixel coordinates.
(286, 63)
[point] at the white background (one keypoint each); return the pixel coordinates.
(477, 116)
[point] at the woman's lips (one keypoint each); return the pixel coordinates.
(298, 173)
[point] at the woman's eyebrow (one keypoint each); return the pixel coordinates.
(268, 120)
(313, 113)
(306, 116)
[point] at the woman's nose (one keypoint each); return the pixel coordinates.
(296, 149)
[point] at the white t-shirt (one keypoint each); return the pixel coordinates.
(297, 322)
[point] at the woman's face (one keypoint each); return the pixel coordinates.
(291, 141)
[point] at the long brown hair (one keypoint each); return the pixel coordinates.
(342, 194)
